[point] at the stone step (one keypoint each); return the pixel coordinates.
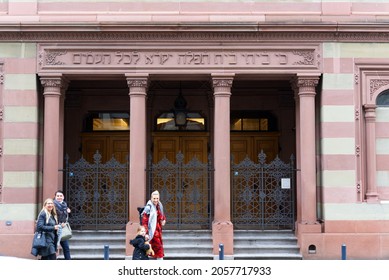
(189, 244)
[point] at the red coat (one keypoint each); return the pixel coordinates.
(156, 243)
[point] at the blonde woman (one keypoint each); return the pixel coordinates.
(48, 222)
(153, 219)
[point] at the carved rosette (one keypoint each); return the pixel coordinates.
(308, 57)
(1, 74)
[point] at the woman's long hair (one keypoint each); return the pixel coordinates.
(48, 214)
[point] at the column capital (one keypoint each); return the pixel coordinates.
(222, 83)
(137, 83)
(370, 112)
(53, 84)
(305, 84)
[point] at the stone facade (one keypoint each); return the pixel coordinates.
(333, 53)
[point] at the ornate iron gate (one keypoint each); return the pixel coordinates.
(184, 190)
(263, 194)
(97, 193)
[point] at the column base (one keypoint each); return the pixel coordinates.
(372, 197)
(223, 233)
(304, 227)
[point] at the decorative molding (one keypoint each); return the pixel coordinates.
(1, 73)
(51, 58)
(139, 83)
(307, 82)
(366, 34)
(357, 150)
(357, 114)
(51, 82)
(375, 84)
(227, 83)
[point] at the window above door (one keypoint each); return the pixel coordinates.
(169, 121)
(107, 121)
(253, 121)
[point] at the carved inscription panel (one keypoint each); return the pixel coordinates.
(124, 59)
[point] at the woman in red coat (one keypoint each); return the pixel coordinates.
(153, 219)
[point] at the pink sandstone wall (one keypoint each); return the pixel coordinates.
(367, 231)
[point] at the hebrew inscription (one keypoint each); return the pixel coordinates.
(54, 58)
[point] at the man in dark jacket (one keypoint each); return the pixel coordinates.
(62, 212)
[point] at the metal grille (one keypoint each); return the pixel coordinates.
(184, 191)
(263, 193)
(97, 193)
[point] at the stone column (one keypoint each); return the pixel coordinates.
(222, 228)
(51, 132)
(298, 149)
(65, 84)
(137, 84)
(306, 84)
(371, 166)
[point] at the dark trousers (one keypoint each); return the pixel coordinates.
(65, 249)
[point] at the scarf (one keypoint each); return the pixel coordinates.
(151, 210)
(61, 208)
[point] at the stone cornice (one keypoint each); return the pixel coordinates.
(312, 32)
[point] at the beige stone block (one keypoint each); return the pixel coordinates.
(20, 81)
(18, 212)
(18, 50)
(21, 114)
(338, 178)
(20, 147)
(338, 146)
(382, 146)
(20, 179)
(338, 81)
(333, 113)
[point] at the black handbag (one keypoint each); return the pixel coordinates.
(39, 240)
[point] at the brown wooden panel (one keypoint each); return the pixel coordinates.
(107, 143)
(165, 147)
(119, 147)
(269, 145)
(241, 147)
(92, 144)
(194, 147)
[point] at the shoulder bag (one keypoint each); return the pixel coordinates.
(39, 240)
(66, 232)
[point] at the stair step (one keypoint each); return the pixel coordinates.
(188, 244)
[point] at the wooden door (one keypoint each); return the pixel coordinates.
(184, 184)
(250, 144)
(190, 145)
(108, 144)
